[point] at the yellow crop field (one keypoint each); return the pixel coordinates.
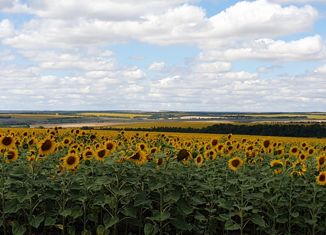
(106, 182)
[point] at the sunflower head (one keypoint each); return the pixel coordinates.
(199, 160)
(277, 166)
(11, 155)
(321, 162)
(47, 146)
(183, 155)
(235, 163)
(7, 142)
(321, 178)
(71, 161)
(88, 154)
(266, 143)
(100, 154)
(110, 146)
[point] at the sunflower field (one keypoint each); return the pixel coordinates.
(74, 181)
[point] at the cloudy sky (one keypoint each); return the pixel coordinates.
(194, 55)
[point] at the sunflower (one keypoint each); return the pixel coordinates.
(214, 142)
(279, 151)
(303, 156)
(277, 165)
(160, 161)
(266, 143)
(235, 163)
(299, 168)
(11, 155)
(321, 178)
(321, 162)
(183, 155)
(142, 147)
(88, 154)
(7, 142)
(139, 157)
(110, 146)
(153, 150)
(71, 161)
(100, 154)
(199, 160)
(46, 146)
(66, 141)
(311, 151)
(294, 150)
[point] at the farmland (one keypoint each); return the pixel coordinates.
(75, 181)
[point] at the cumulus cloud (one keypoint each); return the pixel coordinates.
(66, 67)
(308, 48)
(179, 24)
(157, 66)
(321, 69)
(6, 28)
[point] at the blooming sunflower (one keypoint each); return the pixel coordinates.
(7, 142)
(46, 146)
(88, 154)
(199, 160)
(100, 154)
(110, 146)
(139, 157)
(235, 163)
(321, 178)
(321, 162)
(277, 165)
(266, 143)
(299, 168)
(11, 155)
(71, 161)
(294, 150)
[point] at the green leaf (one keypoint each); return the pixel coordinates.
(11, 206)
(17, 228)
(35, 221)
(173, 196)
(160, 216)
(181, 224)
(200, 217)
(150, 229)
(76, 212)
(230, 225)
(110, 221)
(130, 212)
(49, 221)
(258, 220)
(184, 208)
(66, 212)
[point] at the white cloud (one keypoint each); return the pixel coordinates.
(214, 67)
(156, 66)
(297, 1)
(321, 69)
(6, 28)
(308, 48)
(178, 24)
(101, 9)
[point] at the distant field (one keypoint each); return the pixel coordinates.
(177, 124)
(35, 116)
(309, 116)
(115, 115)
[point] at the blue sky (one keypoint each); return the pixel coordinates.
(208, 55)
